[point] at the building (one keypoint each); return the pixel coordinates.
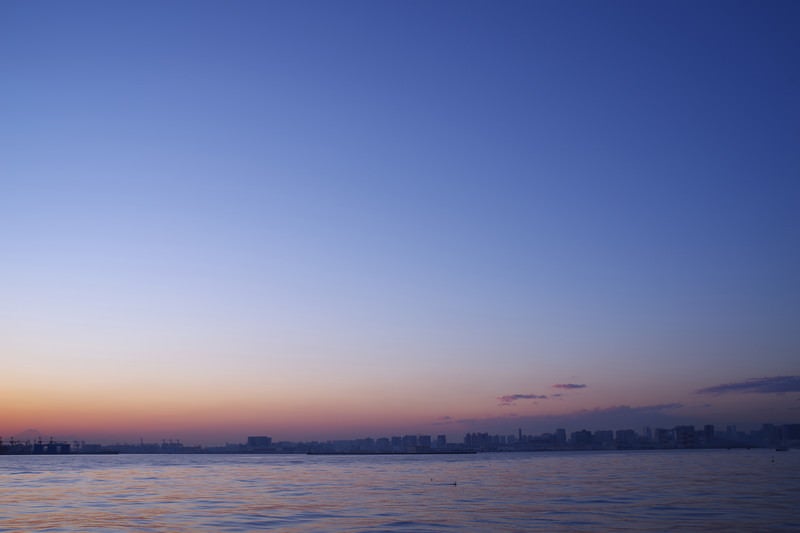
(258, 443)
(581, 439)
(410, 443)
(603, 439)
(663, 438)
(685, 437)
(626, 438)
(708, 435)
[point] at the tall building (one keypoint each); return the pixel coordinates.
(708, 434)
(603, 438)
(582, 438)
(626, 438)
(410, 442)
(685, 437)
(260, 442)
(663, 437)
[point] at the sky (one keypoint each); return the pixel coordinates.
(331, 219)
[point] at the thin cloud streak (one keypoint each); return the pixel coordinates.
(771, 385)
(613, 417)
(569, 386)
(655, 408)
(509, 399)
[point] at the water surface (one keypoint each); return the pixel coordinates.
(744, 490)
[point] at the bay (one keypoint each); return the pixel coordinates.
(685, 490)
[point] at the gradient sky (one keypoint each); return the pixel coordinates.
(332, 219)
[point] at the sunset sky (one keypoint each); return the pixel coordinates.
(354, 218)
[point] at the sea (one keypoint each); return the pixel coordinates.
(661, 490)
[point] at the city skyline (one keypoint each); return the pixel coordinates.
(650, 437)
(337, 218)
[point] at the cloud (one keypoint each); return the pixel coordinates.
(776, 384)
(613, 417)
(509, 399)
(654, 408)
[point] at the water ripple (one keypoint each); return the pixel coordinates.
(624, 491)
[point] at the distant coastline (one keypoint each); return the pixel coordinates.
(782, 437)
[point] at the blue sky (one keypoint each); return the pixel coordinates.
(404, 209)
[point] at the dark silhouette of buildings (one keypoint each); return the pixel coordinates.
(679, 437)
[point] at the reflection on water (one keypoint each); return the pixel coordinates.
(636, 491)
